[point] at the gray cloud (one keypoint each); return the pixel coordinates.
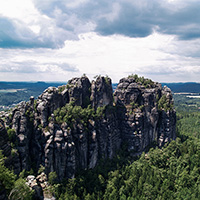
(16, 34)
(133, 19)
(140, 21)
(124, 17)
(13, 35)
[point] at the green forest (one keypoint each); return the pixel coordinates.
(172, 172)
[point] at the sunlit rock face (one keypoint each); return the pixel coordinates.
(139, 112)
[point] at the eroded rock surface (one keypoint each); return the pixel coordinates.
(142, 121)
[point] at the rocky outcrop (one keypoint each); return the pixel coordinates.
(72, 127)
(167, 119)
(101, 92)
(40, 186)
(79, 91)
(142, 121)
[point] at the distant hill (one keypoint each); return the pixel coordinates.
(14, 92)
(190, 87)
(35, 86)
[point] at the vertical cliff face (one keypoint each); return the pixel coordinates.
(167, 118)
(4, 140)
(73, 126)
(101, 92)
(143, 119)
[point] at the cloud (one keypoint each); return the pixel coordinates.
(32, 67)
(16, 34)
(67, 67)
(159, 57)
(19, 67)
(13, 34)
(128, 18)
(140, 20)
(52, 22)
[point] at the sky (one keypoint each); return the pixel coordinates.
(56, 40)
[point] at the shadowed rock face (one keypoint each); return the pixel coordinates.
(142, 122)
(136, 115)
(101, 92)
(4, 141)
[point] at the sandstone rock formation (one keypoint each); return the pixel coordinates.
(142, 121)
(72, 127)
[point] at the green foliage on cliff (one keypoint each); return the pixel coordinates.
(30, 114)
(11, 134)
(15, 188)
(134, 105)
(107, 79)
(71, 114)
(61, 88)
(164, 103)
(52, 178)
(100, 111)
(144, 81)
(21, 191)
(7, 177)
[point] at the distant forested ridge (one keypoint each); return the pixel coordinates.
(35, 86)
(190, 87)
(15, 92)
